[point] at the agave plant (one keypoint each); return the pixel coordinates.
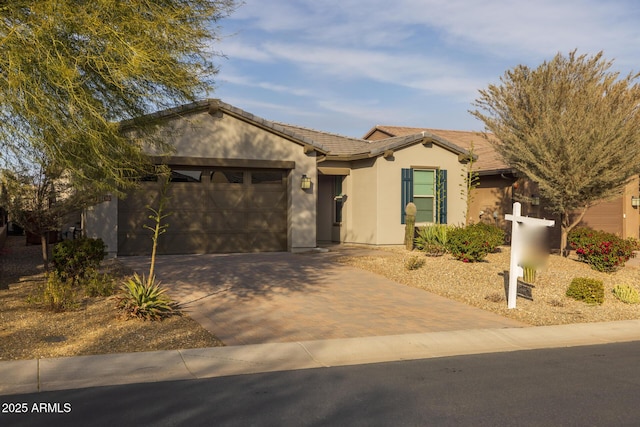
(145, 299)
(432, 239)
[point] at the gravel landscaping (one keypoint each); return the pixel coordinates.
(482, 284)
(29, 331)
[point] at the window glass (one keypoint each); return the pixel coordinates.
(424, 206)
(227, 177)
(423, 194)
(178, 175)
(423, 182)
(148, 178)
(266, 177)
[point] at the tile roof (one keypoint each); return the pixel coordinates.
(343, 146)
(333, 145)
(488, 158)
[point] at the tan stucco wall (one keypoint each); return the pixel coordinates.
(617, 215)
(614, 216)
(101, 221)
(374, 193)
(200, 135)
(360, 208)
(491, 196)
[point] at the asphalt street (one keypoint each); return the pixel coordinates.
(578, 386)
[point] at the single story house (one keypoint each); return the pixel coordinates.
(241, 183)
(500, 186)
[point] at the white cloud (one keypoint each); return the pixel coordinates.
(343, 57)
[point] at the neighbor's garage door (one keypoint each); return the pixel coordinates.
(211, 210)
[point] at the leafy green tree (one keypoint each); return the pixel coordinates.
(570, 125)
(39, 199)
(72, 70)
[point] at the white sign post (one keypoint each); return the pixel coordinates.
(518, 247)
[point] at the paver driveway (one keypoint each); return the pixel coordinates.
(282, 297)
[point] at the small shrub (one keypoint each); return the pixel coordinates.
(57, 294)
(98, 284)
(432, 239)
(414, 262)
(474, 242)
(494, 234)
(145, 299)
(603, 251)
(590, 291)
(555, 303)
(626, 294)
(73, 258)
(495, 297)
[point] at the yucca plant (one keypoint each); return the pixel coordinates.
(432, 239)
(145, 299)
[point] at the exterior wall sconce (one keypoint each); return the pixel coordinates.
(635, 201)
(305, 183)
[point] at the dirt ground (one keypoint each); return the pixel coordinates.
(29, 331)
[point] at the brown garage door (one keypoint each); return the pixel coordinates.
(211, 211)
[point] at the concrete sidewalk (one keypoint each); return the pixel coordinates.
(29, 376)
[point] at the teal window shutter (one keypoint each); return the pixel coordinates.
(442, 196)
(406, 191)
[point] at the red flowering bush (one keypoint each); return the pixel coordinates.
(474, 242)
(602, 251)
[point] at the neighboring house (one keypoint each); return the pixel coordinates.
(499, 186)
(241, 183)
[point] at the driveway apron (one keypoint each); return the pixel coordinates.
(284, 297)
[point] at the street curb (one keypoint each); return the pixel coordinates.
(30, 376)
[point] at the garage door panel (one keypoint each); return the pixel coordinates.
(191, 195)
(223, 221)
(227, 199)
(235, 211)
(188, 220)
(139, 201)
(180, 243)
(271, 222)
(265, 242)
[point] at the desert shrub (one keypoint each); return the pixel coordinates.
(494, 234)
(414, 262)
(145, 299)
(474, 242)
(591, 291)
(602, 251)
(98, 284)
(432, 239)
(56, 294)
(73, 258)
(627, 294)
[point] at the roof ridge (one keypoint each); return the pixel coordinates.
(428, 128)
(321, 131)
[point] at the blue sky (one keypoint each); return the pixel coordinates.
(344, 66)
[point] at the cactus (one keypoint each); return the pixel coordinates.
(410, 227)
(529, 273)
